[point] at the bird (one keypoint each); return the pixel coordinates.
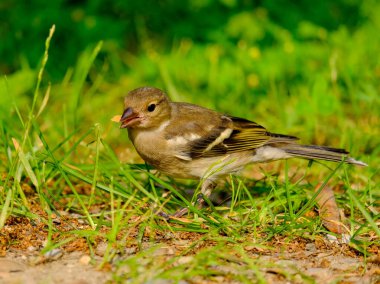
(189, 141)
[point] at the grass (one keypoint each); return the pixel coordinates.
(61, 153)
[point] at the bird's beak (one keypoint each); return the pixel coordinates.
(128, 118)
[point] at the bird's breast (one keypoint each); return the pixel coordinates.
(149, 144)
(159, 152)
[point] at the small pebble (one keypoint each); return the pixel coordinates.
(85, 259)
(129, 251)
(163, 251)
(344, 239)
(185, 260)
(101, 248)
(310, 247)
(53, 254)
(31, 249)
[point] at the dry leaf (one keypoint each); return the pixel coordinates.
(116, 118)
(329, 210)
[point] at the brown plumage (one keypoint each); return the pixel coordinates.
(189, 141)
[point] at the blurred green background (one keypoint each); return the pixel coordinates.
(310, 69)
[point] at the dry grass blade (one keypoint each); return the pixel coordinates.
(44, 101)
(25, 162)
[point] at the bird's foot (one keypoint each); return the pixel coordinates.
(177, 214)
(183, 211)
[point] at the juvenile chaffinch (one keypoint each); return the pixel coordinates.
(189, 141)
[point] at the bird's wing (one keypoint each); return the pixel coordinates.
(209, 134)
(238, 135)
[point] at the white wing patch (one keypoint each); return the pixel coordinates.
(192, 136)
(178, 143)
(225, 134)
(183, 140)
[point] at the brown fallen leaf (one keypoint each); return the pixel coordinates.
(329, 210)
(374, 259)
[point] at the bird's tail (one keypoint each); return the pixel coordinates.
(320, 153)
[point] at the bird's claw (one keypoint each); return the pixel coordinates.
(183, 211)
(177, 214)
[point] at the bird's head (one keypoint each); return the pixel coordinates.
(145, 107)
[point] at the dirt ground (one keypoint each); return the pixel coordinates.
(73, 268)
(329, 265)
(320, 260)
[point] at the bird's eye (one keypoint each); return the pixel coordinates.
(151, 107)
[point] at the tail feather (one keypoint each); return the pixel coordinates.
(320, 153)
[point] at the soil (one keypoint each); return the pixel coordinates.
(320, 261)
(75, 267)
(22, 240)
(69, 268)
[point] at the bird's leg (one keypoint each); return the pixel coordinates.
(206, 189)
